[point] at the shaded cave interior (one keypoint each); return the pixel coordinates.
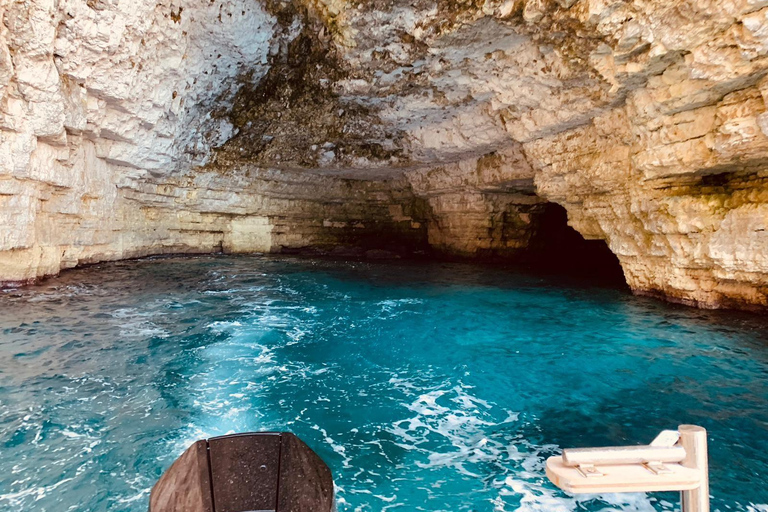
(556, 248)
(294, 118)
(545, 245)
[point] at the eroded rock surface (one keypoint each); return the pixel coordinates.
(134, 128)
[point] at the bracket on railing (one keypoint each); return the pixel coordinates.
(675, 461)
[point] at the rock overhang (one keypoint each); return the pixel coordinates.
(164, 126)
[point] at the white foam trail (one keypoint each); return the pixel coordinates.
(236, 371)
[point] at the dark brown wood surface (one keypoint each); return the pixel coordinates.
(306, 484)
(260, 472)
(186, 486)
(245, 471)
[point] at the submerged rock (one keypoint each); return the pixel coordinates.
(199, 126)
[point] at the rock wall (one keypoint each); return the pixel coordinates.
(670, 168)
(134, 128)
(248, 210)
(96, 94)
(681, 196)
(480, 207)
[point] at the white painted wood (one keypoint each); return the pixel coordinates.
(666, 438)
(622, 455)
(621, 478)
(675, 461)
(694, 439)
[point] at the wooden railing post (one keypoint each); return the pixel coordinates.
(694, 439)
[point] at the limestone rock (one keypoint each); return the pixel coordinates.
(134, 128)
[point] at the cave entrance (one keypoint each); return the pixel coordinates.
(557, 248)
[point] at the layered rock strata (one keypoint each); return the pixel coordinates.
(199, 125)
(252, 210)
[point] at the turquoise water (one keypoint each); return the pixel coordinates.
(437, 387)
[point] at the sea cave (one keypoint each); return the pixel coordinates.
(441, 242)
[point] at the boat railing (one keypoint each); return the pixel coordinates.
(675, 461)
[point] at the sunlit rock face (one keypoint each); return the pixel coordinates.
(98, 96)
(134, 128)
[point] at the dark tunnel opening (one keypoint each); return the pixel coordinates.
(557, 248)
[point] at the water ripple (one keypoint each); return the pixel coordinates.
(435, 387)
